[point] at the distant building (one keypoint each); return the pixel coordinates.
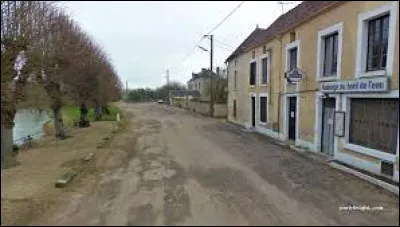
(183, 94)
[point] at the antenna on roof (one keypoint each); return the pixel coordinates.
(284, 3)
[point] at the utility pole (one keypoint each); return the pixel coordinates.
(167, 77)
(211, 78)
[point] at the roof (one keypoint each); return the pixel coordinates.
(182, 93)
(294, 17)
(205, 73)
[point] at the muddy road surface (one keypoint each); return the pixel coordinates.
(173, 167)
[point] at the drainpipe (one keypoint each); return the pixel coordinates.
(270, 77)
(279, 84)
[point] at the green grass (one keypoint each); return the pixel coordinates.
(71, 114)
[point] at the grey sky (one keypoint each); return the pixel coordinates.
(145, 38)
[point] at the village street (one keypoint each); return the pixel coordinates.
(179, 168)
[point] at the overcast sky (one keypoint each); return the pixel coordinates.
(145, 38)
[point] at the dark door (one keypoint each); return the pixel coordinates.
(253, 111)
(292, 118)
(328, 113)
(234, 109)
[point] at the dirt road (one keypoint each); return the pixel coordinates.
(172, 167)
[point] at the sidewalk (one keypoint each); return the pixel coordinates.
(28, 188)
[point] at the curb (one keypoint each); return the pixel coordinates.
(365, 177)
(65, 179)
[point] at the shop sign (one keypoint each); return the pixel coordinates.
(294, 75)
(361, 85)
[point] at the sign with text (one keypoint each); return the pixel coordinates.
(295, 75)
(361, 85)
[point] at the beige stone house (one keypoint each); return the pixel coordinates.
(198, 83)
(325, 76)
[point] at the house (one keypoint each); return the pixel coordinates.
(199, 81)
(181, 98)
(324, 76)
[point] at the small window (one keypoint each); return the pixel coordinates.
(264, 66)
(292, 58)
(331, 54)
(263, 109)
(264, 49)
(387, 168)
(253, 54)
(253, 71)
(378, 30)
(292, 36)
(235, 62)
(234, 80)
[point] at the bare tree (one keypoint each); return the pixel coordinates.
(41, 44)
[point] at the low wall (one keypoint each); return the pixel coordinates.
(203, 107)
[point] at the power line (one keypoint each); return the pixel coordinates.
(220, 42)
(223, 20)
(213, 29)
(223, 47)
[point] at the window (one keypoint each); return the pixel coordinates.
(234, 109)
(329, 52)
(235, 80)
(376, 40)
(374, 123)
(264, 49)
(330, 55)
(292, 58)
(253, 54)
(292, 36)
(378, 31)
(235, 62)
(263, 109)
(264, 65)
(253, 71)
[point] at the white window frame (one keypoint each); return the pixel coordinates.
(255, 79)
(262, 57)
(362, 40)
(290, 46)
(321, 51)
(259, 108)
(359, 148)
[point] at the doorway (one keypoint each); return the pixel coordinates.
(253, 111)
(327, 138)
(292, 118)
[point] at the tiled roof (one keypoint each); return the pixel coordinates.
(299, 14)
(205, 73)
(247, 42)
(182, 93)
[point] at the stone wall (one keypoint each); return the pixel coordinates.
(202, 107)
